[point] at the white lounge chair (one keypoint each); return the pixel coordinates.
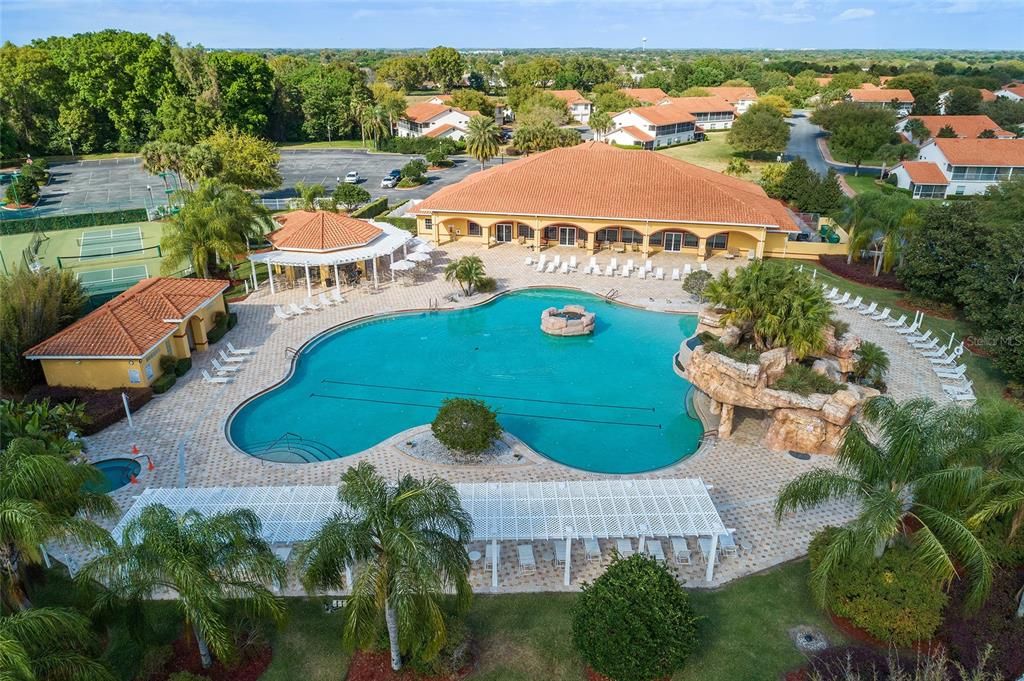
(884, 314)
(938, 352)
(550, 269)
(224, 357)
(541, 263)
(680, 551)
(592, 265)
(727, 545)
(926, 347)
(896, 322)
(295, 309)
(919, 337)
(324, 300)
(963, 392)
(959, 371)
(843, 300)
(572, 263)
(591, 549)
(655, 550)
(687, 269)
(628, 268)
(704, 267)
(488, 555)
(950, 358)
(528, 261)
(642, 273)
(675, 274)
(240, 351)
(310, 305)
(659, 273)
(869, 309)
(907, 330)
(854, 304)
(280, 313)
(564, 269)
(559, 551)
(625, 271)
(649, 266)
(557, 260)
(834, 293)
(527, 562)
(207, 378)
(337, 297)
(624, 547)
(221, 368)
(612, 266)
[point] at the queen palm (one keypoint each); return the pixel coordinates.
(49, 644)
(308, 195)
(217, 221)
(468, 271)
(41, 494)
(601, 123)
(374, 120)
(206, 562)
(482, 139)
(405, 544)
(907, 488)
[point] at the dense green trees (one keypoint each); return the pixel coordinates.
(761, 129)
(880, 224)
(857, 132)
(963, 101)
(445, 66)
(465, 425)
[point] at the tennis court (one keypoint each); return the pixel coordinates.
(113, 278)
(103, 243)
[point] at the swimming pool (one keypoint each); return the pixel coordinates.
(116, 474)
(608, 402)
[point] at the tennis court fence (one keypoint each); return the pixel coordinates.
(65, 261)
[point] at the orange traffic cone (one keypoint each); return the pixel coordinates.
(134, 480)
(135, 450)
(150, 465)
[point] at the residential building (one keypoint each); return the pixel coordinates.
(646, 95)
(580, 107)
(120, 343)
(900, 100)
(986, 96)
(1014, 91)
(595, 196)
(651, 127)
(434, 119)
(967, 166)
(712, 112)
(968, 127)
(741, 98)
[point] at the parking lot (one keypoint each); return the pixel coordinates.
(122, 183)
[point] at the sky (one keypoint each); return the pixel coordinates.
(789, 24)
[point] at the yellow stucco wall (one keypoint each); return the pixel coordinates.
(104, 374)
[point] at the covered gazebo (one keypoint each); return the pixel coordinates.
(326, 240)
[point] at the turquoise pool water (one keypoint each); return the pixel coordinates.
(116, 474)
(609, 402)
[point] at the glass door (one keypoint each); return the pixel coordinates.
(566, 236)
(503, 232)
(673, 241)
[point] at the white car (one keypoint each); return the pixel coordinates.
(352, 177)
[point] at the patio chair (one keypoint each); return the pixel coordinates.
(527, 562)
(572, 263)
(855, 303)
(705, 548)
(324, 301)
(680, 551)
(869, 309)
(659, 273)
(962, 389)
(280, 313)
(310, 305)
(906, 330)
(592, 265)
(207, 378)
(751, 254)
(337, 297)
(541, 262)
(833, 293)
(704, 267)
(897, 322)
(559, 551)
(687, 269)
(488, 555)
(557, 260)
(624, 547)
(726, 544)
(843, 300)
(919, 337)
(937, 352)
(655, 550)
(612, 266)
(950, 358)
(630, 266)
(675, 274)
(239, 351)
(884, 314)
(592, 549)
(649, 266)
(564, 269)
(550, 269)
(295, 309)
(642, 273)
(959, 371)
(225, 357)
(223, 369)
(528, 261)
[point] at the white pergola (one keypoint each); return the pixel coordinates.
(391, 240)
(500, 511)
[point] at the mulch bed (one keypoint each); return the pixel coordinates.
(375, 665)
(861, 272)
(186, 659)
(594, 676)
(103, 407)
(932, 308)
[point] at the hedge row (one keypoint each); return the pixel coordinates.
(54, 223)
(372, 209)
(408, 224)
(420, 145)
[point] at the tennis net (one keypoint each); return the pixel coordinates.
(64, 261)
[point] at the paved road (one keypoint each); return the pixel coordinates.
(803, 141)
(122, 183)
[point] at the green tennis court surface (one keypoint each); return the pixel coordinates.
(113, 278)
(100, 243)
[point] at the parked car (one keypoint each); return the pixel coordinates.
(352, 177)
(391, 179)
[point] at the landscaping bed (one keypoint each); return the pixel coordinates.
(104, 408)
(862, 272)
(375, 665)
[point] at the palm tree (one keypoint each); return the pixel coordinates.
(217, 221)
(872, 363)
(358, 104)
(880, 223)
(601, 123)
(308, 195)
(41, 495)
(468, 271)
(49, 644)
(405, 544)
(908, 489)
(205, 561)
(375, 120)
(482, 139)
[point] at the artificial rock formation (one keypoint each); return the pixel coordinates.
(571, 320)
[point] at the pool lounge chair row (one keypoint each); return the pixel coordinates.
(324, 300)
(612, 269)
(232, 364)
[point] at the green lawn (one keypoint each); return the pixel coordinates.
(839, 156)
(989, 381)
(713, 153)
(862, 183)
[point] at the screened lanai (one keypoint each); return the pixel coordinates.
(501, 511)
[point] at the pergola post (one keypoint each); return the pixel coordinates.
(309, 284)
(348, 577)
(566, 578)
(709, 574)
(640, 544)
(375, 272)
(392, 256)
(255, 284)
(337, 279)
(494, 563)
(270, 277)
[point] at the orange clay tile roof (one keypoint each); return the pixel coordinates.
(570, 96)
(321, 230)
(987, 152)
(987, 95)
(442, 129)
(1017, 89)
(662, 114)
(650, 95)
(964, 126)
(880, 95)
(823, 80)
(699, 105)
(442, 98)
(599, 181)
(134, 322)
(924, 172)
(869, 86)
(636, 133)
(733, 94)
(425, 111)
(884, 79)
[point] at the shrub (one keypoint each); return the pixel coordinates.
(21, 191)
(232, 320)
(893, 598)
(438, 159)
(168, 363)
(464, 425)
(872, 364)
(802, 380)
(836, 664)
(419, 145)
(75, 221)
(487, 285)
(408, 182)
(995, 623)
(153, 662)
(634, 622)
(451, 659)
(182, 366)
(743, 354)
(513, 151)
(371, 209)
(696, 282)
(220, 327)
(349, 196)
(414, 171)
(408, 224)
(103, 408)
(41, 419)
(839, 327)
(861, 272)
(164, 383)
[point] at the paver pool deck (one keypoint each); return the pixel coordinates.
(744, 475)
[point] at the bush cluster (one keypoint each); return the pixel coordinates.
(802, 380)
(371, 209)
(741, 353)
(467, 426)
(861, 272)
(182, 366)
(103, 408)
(995, 623)
(487, 285)
(408, 224)
(54, 223)
(222, 323)
(420, 145)
(164, 383)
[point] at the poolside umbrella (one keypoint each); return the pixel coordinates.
(402, 265)
(418, 257)
(423, 248)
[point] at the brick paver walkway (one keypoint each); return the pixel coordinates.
(188, 422)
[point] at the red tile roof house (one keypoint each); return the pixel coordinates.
(969, 127)
(646, 95)
(742, 98)
(650, 127)
(900, 100)
(960, 167)
(1014, 91)
(580, 107)
(712, 113)
(431, 119)
(120, 343)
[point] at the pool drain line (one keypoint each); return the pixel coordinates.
(500, 413)
(493, 397)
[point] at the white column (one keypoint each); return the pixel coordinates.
(494, 563)
(375, 272)
(270, 277)
(392, 266)
(255, 284)
(309, 284)
(337, 279)
(709, 574)
(640, 545)
(568, 560)
(348, 577)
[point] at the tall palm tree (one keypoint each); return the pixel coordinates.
(468, 271)
(49, 644)
(205, 561)
(41, 495)
(217, 221)
(308, 195)
(405, 543)
(601, 123)
(482, 139)
(907, 488)
(375, 121)
(1001, 427)
(357, 106)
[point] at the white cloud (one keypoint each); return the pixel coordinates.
(855, 13)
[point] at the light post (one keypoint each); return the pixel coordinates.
(72, 146)
(152, 201)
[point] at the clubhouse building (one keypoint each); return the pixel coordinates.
(595, 196)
